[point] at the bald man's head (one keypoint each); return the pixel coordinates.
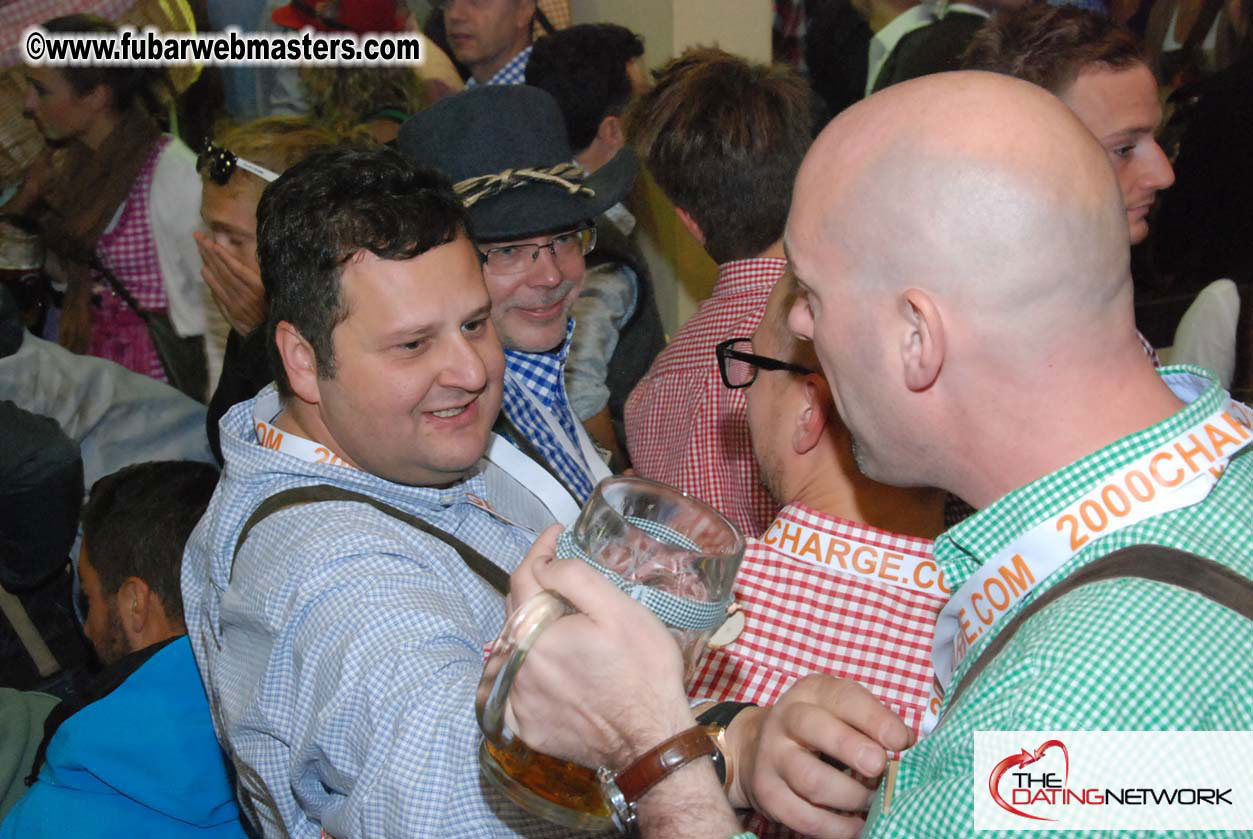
(962, 220)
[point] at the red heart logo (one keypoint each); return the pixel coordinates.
(1025, 758)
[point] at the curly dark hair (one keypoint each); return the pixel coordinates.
(325, 209)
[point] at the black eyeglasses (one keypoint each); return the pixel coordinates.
(739, 368)
(219, 163)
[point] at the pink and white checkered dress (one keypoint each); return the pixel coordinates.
(805, 617)
(129, 250)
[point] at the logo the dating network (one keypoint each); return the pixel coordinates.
(1130, 780)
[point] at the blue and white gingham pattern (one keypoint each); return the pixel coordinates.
(512, 73)
(543, 375)
(342, 654)
(675, 611)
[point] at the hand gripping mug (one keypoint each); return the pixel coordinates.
(675, 555)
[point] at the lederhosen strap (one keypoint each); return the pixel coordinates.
(1151, 562)
(487, 570)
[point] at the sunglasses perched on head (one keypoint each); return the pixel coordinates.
(220, 164)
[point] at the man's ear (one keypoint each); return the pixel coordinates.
(610, 133)
(922, 350)
(815, 413)
(134, 607)
(691, 225)
(299, 362)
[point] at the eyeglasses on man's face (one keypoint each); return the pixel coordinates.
(739, 367)
(515, 259)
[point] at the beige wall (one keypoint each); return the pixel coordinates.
(683, 273)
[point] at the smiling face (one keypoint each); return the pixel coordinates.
(531, 308)
(230, 215)
(417, 375)
(1121, 109)
(485, 34)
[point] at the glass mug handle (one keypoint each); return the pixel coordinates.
(521, 630)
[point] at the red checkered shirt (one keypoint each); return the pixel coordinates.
(803, 618)
(683, 426)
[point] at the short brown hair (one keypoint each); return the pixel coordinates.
(723, 138)
(1050, 45)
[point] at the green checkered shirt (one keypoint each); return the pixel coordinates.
(1125, 654)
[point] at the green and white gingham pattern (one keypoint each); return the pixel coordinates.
(673, 610)
(1124, 654)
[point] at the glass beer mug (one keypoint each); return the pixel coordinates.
(674, 554)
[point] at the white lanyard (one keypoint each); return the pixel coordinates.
(534, 477)
(271, 437)
(871, 563)
(1176, 474)
(586, 451)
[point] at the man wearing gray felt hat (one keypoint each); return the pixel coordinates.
(533, 211)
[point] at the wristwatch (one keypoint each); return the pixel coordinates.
(623, 789)
(716, 721)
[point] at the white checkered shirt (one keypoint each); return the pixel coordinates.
(512, 73)
(683, 426)
(543, 374)
(342, 652)
(802, 619)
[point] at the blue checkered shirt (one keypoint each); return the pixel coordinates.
(342, 651)
(512, 73)
(543, 374)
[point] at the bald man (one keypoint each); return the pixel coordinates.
(993, 355)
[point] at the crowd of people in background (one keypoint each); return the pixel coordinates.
(292, 413)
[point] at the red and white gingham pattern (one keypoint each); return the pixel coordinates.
(802, 618)
(683, 426)
(130, 252)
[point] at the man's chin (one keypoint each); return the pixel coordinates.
(534, 337)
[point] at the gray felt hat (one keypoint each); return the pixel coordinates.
(504, 147)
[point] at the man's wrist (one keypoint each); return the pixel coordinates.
(637, 739)
(741, 738)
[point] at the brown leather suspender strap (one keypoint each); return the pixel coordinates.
(491, 573)
(1150, 562)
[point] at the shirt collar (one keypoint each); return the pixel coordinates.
(850, 529)
(741, 275)
(558, 355)
(967, 545)
(901, 25)
(239, 430)
(514, 72)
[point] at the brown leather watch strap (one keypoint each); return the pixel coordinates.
(664, 758)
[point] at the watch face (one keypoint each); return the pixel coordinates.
(720, 761)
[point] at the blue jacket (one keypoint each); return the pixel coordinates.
(141, 761)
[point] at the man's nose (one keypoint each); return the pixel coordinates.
(463, 367)
(544, 270)
(1159, 174)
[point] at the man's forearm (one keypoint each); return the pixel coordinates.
(688, 803)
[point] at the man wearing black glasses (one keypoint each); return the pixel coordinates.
(858, 550)
(505, 149)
